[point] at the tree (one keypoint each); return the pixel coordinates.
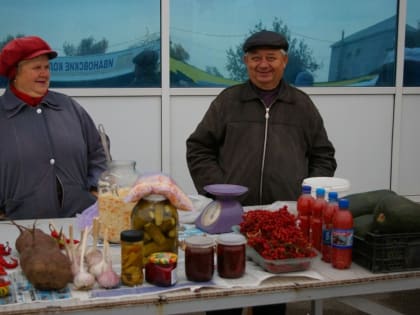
(213, 71)
(300, 55)
(8, 39)
(87, 46)
(178, 52)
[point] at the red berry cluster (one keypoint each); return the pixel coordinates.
(275, 234)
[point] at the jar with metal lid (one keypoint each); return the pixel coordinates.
(131, 257)
(114, 185)
(231, 255)
(199, 258)
(158, 219)
(161, 269)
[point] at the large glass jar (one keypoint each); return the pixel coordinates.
(158, 219)
(113, 186)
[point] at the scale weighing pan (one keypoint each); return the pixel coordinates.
(221, 214)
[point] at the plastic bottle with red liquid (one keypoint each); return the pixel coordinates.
(327, 225)
(304, 209)
(342, 236)
(316, 219)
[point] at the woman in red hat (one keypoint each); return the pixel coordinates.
(51, 155)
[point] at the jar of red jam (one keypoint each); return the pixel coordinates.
(161, 269)
(231, 255)
(199, 258)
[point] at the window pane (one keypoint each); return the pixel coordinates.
(338, 43)
(100, 43)
(412, 44)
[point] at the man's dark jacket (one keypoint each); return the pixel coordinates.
(270, 151)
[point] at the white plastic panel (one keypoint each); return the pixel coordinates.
(133, 125)
(409, 155)
(360, 127)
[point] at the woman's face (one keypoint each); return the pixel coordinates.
(265, 67)
(33, 76)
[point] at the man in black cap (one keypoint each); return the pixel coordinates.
(263, 134)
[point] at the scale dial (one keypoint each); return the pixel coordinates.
(211, 213)
(221, 214)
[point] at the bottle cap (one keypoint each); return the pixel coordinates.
(131, 235)
(343, 203)
(320, 192)
(306, 189)
(333, 195)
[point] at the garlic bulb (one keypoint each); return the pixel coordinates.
(94, 254)
(108, 279)
(83, 279)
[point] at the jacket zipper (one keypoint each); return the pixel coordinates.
(267, 116)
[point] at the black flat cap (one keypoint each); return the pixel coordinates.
(267, 39)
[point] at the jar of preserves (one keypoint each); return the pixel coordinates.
(161, 269)
(114, 185)
(199, 258)
(131, 257)
(158, 219)
(231, 255)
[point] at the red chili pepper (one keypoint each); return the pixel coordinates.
(59, 237)
(7, 264)
(5, 250)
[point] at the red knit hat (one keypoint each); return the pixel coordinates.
(22, 48)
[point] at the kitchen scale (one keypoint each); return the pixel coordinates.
(221, 214)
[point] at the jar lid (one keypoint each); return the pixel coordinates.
(231, 239)
(199, 241)
(155, 197)
(163, 258)
(131, 235)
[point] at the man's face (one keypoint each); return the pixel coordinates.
(265, 66)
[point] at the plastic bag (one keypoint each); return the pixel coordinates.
(85, 219)
(161, 185)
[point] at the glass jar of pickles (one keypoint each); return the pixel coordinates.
(158, 219)
(131, 257)
(114, 185)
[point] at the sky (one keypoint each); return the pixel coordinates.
(205, 28)
(60, 21)
(220, 24)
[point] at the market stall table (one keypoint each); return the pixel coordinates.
(323, 282)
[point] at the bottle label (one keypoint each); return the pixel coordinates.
(342, 238)
(326, 236)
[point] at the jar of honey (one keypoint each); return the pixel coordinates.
(199, 258)
(161, 269)
(131, 257)
(231, 255)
